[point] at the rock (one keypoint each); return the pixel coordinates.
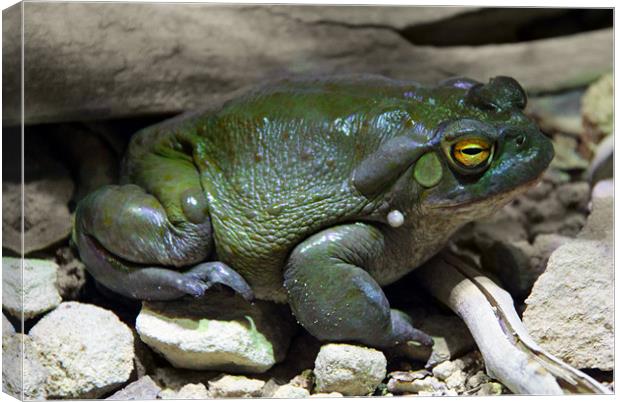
(490, 388)
(93, 71)
(193, 391)
(144, 388)
(447, 392)
(29, 377)
(417, 385)
(39, 291)
(7, 327)
(598, 109)
(221, 332)
(450, 335)
(558, 112)
(71, 274)
(171, 379)
(230, 386)
(304, 380)
(291, 391)
(574, 195)
(87, 350)
(602, 163)
(566, 155)
(446, 369)
(327, 395)
(167, 394)
(477, 379)
(603, 189)
(570, 310)
(46, 193)
(569, 225)
(350, 370)
(456, 380)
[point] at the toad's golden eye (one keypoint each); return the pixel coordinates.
(471, 152)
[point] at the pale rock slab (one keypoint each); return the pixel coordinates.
(87, 350)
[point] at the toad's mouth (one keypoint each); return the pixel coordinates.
(492, 202)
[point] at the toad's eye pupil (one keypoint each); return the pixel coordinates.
(471, 151)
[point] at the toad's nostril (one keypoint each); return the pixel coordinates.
(520, 140)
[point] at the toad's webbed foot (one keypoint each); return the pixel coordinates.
(156, 283)
(335, 299)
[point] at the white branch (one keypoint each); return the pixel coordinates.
(510, 354)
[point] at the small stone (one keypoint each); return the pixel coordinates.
(229, 386)
(447, 392)
(193, 391)
(327, 395)
(574, 195)
(175, 379)
(304, 380)
(426, 384)
(144, 388)
(223, 332)
(490, 388)
(597, 109)
(348, 369)
(604, 188)
(167, 394)
(29, 377)
(602, 163)
(566, 155)
(7, 327)
(87, 350)
(39, 291)
(447, 368)
(456, 380)
(290, 391)
(477, 379)
(71, 274)
(568, 225)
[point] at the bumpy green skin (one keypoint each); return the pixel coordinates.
(282, 182)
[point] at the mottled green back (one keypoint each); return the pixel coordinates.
(276, 164)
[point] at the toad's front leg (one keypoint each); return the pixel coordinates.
(335, 298)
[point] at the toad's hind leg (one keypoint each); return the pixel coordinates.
(135, 239)
(335, 299)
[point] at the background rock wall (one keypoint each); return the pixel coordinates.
(88, 61)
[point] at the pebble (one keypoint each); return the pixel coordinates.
(230, 386)
(348, 369)
(144, 388)
(290, 391)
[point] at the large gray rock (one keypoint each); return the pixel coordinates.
(37, 285)
(220, 332)
(22, 369)
(348, 369)
(193, 55)
(570, 311)
(46, 193)
(87, 350)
